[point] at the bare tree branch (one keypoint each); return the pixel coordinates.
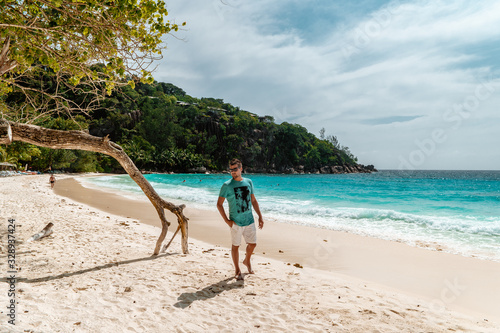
(56, 139)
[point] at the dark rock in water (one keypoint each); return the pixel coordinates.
(370, 168)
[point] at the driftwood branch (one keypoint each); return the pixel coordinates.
(5, 133)
(44, 233)
(57, 139)
(165, 247)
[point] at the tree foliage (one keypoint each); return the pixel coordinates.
(87, 46)
(62, 57)
(163, 129)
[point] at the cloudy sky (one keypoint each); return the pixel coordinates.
(403, 84)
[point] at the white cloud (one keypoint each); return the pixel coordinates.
(412, 59)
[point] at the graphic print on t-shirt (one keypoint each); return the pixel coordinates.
(242, 196)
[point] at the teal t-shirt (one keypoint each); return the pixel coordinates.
(239, 199)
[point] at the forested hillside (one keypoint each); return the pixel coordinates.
(163, 129)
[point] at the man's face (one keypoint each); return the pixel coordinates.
(235, 171)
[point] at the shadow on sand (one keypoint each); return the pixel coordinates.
(186, 299)
(87, 270)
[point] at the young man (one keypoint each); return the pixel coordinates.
(239, 194)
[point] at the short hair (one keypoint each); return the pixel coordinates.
(236, 161)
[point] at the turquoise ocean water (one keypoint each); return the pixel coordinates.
(458, 211)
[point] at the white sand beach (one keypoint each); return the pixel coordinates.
(95, 273)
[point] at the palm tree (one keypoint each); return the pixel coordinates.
(4, 156)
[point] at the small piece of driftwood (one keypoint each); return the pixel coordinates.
(44, 233)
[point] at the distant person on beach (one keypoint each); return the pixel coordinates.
(239, 194)
(52, 181)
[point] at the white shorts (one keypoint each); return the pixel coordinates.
(248, 232)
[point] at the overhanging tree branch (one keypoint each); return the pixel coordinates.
(64, 57)
(6, 65)
(57, 139)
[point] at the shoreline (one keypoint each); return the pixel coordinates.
(433, 275)
(439, 225)
(101, 264)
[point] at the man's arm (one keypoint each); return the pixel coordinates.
(255, 205)
(222, 212)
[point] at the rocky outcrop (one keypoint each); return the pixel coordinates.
(197, 170)
(339, 169)
(333, 169)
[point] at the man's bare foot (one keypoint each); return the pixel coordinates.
(238, 276)
(249, 266)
